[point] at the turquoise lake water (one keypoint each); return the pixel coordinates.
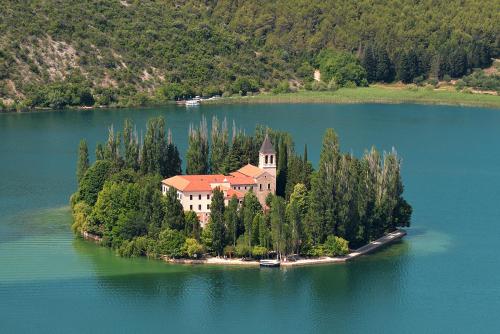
(444, 277)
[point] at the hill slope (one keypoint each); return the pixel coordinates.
(78, 52)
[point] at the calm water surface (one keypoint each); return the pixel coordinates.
(444, 277)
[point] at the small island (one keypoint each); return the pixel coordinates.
(243, 198)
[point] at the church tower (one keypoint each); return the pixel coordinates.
(267, 157)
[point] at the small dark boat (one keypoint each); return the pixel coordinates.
(269, 263)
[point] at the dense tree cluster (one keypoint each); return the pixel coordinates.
(347, 202)
(55, 54)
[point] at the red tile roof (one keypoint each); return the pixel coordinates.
(230, 192)
(237, 178)
(251, 170)
(191, 183)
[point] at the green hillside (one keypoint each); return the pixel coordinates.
(58, 53)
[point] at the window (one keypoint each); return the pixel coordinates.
(269, 186)
(272, 156)
(266, 159)
(260, 186)
(238, 188)
(191, 207)
(245, 187)
(199, 207)
(208, 206)
(208, 196)
(199, 197)
(190, 197)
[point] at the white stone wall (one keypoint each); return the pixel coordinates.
(193, 201)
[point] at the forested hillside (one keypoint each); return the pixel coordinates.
(57, 53)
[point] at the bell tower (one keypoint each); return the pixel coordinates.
(267, 157)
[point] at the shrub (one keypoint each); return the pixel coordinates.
(81, 213)
(333, 86)
(192, 248)
(229, 251)
(170, 243)
(319, 86)
(259, 252)
(336, 246)
(242, 248)
(316, 251)
(282, 87)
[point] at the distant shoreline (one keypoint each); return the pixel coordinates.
(364, 250)
(374, 94)
(377, 94)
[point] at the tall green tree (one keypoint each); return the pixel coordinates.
(83, 160)
(131, 145)
(216, 221)
(322, 208)
(282, 170)
(250, 207)
(219, 146)
(279, 228)
(232, 219)
(154, 151)
(197, 153)
(174, 213)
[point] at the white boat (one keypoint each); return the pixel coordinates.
(269, 263)
(192, 102)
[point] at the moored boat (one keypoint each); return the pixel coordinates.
(269, 263)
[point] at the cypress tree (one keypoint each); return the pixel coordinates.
(321, 213)
(197, 153)
(278, 222)
(281, 177)
(216, 221)
(83, 160)
(173, 160)
(174, 213)
(154, 151)
(99, 152)
(219, 145)
(131, 145)
(231, 218)
(249, 209)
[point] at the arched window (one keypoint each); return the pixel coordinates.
(265, 160)
(272, 156)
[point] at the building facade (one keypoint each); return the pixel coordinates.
(195, 191)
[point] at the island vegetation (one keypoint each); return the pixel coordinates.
(133, 53)
(344, 203)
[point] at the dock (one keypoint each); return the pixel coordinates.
(366, 249)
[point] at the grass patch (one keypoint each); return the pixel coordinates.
(374, 94)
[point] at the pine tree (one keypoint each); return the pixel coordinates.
(83, 160)
(385, 68)
(216, 221)
(369, 62)
(154, 153)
